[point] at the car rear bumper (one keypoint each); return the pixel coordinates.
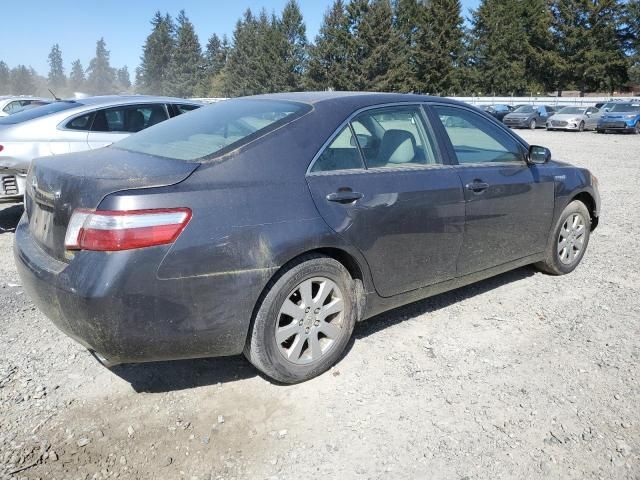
(115, 305)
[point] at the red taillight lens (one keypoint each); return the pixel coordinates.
(124, 230)
(1, 148)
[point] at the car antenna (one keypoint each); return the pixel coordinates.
(54, 95)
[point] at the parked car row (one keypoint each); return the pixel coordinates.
(611, 116)
(75, 125)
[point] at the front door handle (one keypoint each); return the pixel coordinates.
(345, 197)
(477, 186)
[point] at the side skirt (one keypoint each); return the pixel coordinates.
(376, 304)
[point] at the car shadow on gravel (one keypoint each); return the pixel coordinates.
(185, 374)
(9, 218)
(431, 304)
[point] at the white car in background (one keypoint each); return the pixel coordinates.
(11, 104)
(574, 118)
(67, 126)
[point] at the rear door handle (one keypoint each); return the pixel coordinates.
(344, 197)
(477, 186)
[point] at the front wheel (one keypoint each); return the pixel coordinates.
(637, 129)
(532, 125)
(568, 241)
(581, 127)
(304, 321)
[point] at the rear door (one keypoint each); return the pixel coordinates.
(509, 204)
(115, 123)
(382, 184)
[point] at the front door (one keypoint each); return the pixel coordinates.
(509, 204)
(382, 185)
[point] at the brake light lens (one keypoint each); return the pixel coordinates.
(110, 230)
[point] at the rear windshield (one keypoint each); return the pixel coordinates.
(625, 107)
(524, 109)
(38, 112)
(571, 111)
(214, 129)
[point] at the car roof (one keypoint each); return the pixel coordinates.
(355, 99)
(106, 100)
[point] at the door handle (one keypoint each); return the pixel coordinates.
(477, 186)
(345, 197)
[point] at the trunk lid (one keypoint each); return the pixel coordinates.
(56, 186)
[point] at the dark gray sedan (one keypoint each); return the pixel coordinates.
(271, 225)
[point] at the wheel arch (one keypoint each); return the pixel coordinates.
(590, 203)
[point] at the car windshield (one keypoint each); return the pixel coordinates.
(625, 107)
(571, 111)
(38, 112)
(524, 109)
(211, 130)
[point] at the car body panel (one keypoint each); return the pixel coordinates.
(255, 209)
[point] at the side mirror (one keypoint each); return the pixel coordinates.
(538, 155)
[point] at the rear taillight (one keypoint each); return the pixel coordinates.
(1, 148)
(124, 230)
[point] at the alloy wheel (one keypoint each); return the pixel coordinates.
(571, 238)
(310, 321)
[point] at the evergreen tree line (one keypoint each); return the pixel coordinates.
(508, 47)
(98, 78)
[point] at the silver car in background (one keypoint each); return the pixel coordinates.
(14, 104)
(75, 125)
(574, 118)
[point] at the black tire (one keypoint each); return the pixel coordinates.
(549, 129)
(552, 263)
(262, 348)
(637, 129)
(581, 127)
(533, 124)
(599, 131)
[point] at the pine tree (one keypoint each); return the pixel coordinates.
(329, 57)
(632, 21)
(5, 75)
(100, 76)
(439, 47)
(295, 51)
(76, 77)
(255, 64)
(498, 43)
(57, 79)
(151, 76)
(124, 80)
(406, 24)
(186, 66)
(215, 59)
(22, 81)
(379, 49)
(590, 37)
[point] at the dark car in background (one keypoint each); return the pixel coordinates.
(621, 117)
(529, 116)
(270, 225)
(498, 110)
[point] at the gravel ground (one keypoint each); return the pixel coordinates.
(521, 376)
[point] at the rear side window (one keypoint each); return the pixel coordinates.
(394, 137)
(475, 139)
(129, 118)
(184, 108)
(213, 129)
(341, 154)
(82, 122)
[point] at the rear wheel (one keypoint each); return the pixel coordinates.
(637, 129)
(532, 124)
(568, 241)
(599, 130)
(304, 321)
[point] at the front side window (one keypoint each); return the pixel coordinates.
(210, 130)
(128, 118)
(341, 154)
(475, 139)
(393, 137)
